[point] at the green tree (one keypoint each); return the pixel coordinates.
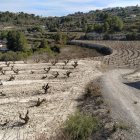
(89, 28)
(3, 34)
(106, 26)
(98, 28)
(115, 23)
(61, 38)
(118, 23)
(17, 41)
(43, 44)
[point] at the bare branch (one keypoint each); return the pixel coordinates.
(26, 118)
(75, 64)
(47, 70)
(56, 75)
(11, 78)
(66, 62)
(2, 94)
(44, 77)
(67, 73)
(45, 88)
(16, 71)
(39, 102)
(54, 62)
(3, 72)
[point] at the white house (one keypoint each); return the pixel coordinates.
(133, 16)
(1, 45)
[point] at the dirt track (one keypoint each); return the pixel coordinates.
(123, 100)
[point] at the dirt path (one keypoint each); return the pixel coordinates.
(123, 100)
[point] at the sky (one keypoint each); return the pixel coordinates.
(61, 7)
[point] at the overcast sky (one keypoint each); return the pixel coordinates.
(61, 7)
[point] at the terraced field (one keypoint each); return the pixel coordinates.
(21, 89)
(126, 54)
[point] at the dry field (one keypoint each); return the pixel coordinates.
(23, 87)
(125, 55)
(22, 93)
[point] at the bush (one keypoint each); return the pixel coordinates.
(131, 36)
(61, 38)
(80, 126)
(56, 49)
(43, 44)
(13, 56)
(106, 37)
(44, 50)
(92, 89)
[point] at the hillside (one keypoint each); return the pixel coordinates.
(79, 21)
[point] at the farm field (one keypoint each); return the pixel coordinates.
(126, 54)
(22, 93)
(37, 97)
(69, 70)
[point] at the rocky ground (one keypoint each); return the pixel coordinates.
(21, 94)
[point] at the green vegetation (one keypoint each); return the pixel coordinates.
(80, 126)
(3, 34)
(48, 35)
(21, 19)
(61, 38)
(17, 41)
(13, 56)
(110, 19)
(109, 24)
(43, 44)
(20, 47)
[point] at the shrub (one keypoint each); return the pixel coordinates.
(121, 126)
(92, 89)
(14, 56)
(55, 49)
(106, 37)
(44, 50)
(61, 38)
(80, 126)
(131, 36)
(43, 44)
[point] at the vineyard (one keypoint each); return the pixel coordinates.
(125, 54)
(36, 98)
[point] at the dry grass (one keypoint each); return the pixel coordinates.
(72, 51)
(78, 126)
(92, 89)
(68, 52)
(102, 67)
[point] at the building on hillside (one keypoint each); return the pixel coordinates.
(133, 16)
(1, 45)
